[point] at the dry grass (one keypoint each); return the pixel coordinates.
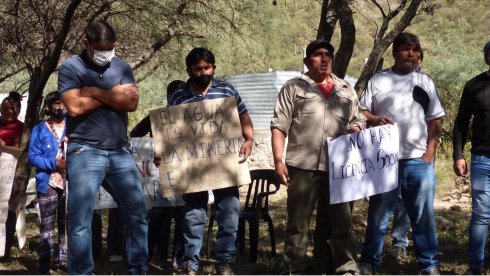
(445, 177)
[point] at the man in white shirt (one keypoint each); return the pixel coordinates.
(410, 99)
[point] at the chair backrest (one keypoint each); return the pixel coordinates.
(262, 182)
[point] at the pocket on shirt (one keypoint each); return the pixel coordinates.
(341, 107)
(307, 103)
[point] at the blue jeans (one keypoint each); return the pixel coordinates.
(401, 224)
(227, 210)
(115, 170)
(480, 215)
(416, 182)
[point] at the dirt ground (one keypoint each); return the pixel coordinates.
(452, 241)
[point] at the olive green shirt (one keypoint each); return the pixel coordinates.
(307, 118)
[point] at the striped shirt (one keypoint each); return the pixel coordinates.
(219, 89)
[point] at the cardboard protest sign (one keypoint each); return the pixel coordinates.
(363, 164)
(8, 162)
(143, 152)
(199, 145)
(20, 226)
(104, 199)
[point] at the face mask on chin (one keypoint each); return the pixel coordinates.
(102, 58)
(202, 81)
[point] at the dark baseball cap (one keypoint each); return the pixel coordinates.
(319, 43)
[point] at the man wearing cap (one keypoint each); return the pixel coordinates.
(475, 102)
(308, 110)
(410, 99)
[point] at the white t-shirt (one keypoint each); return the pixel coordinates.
(410, 100)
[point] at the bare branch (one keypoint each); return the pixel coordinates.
(405, 20)
(75, 37)
(328, 21)
(11, 74)
(347, 39)
(369, 19)
(188, 34)
(148, 73)
(380, 47)
(380, 8)
(387, 19)
(60, 38)
(165, 38)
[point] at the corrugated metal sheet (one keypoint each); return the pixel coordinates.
(259, 91)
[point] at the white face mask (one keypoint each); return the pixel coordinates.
(101, 58)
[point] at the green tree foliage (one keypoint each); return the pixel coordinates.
(266, 37)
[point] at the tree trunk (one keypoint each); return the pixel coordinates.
(338, 10)
(347, 37)
(23, 170)
(379, 67)
(370, 67)
(328, 20)
(379, 48)
(39, 77)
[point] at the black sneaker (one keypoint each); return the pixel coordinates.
(45, 266)
(224, 269)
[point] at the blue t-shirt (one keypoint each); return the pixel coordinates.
(219, 89)
(104, 128)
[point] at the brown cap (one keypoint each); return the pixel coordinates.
(319, 43)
